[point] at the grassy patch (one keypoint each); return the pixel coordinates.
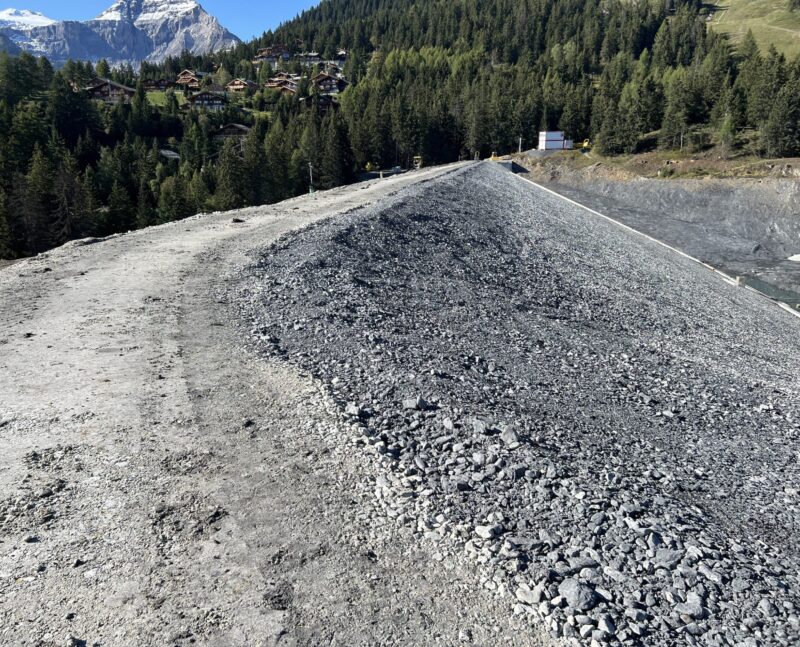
(159, 99)
(771, 21)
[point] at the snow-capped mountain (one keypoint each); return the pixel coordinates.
(23, 19)
(130, 31)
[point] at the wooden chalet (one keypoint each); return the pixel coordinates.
(283, 83)
(158, 85)
(232, 131)
(309, 58)
(208, 100)
(328, 84)
(190, 79)
(241, 85)
(272, 55)
(323, 102)
(109, 92)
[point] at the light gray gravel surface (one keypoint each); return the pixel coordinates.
(604, 428)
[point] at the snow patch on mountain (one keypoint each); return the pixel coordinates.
(23, 19)
(138, 11)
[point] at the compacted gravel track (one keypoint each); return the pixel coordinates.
(606, 430)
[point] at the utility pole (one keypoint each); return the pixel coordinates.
(311, 174)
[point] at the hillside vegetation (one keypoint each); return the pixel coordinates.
(445, 80)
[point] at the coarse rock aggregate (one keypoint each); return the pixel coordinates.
(606, 430)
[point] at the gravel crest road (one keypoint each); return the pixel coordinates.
(160, 484)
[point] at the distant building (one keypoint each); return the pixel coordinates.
(324, 103)
(328, 84)
(241, 85)
(190, 79)
(232, 131)
(158, 85)
(109, 92)
(309, 58)
(272, 55)
(553, 140)
(208, 100)
(284, 83)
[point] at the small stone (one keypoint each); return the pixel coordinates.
(488, 532)
(606, 623)
(353, 410)
(767, 609)
(578, 596)
(509, 436)
(415, 404)
(693, 607)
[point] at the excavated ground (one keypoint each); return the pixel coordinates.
(604, 428)
(746, 227)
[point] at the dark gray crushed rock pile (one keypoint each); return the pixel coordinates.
(607, 427)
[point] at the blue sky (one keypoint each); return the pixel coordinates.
(244, 18)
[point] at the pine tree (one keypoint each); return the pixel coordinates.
(727, 136)
(255, 164)
(120, 209)
(173, 202)
(68, 220)
(198, 193)
(781, 133)
(6, 243)
(103, 69)
(145, 207)
(232, 186)
(336, 161)
(37, 207)
(277, 163)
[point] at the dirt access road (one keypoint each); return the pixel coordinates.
(160, 484)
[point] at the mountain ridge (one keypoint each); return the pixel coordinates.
(128, 32)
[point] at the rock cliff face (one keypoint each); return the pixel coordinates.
(130, 31)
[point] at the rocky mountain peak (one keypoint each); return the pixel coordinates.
(149, 10)
(129, 31)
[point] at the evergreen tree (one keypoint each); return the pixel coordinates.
(103, 69)
(277, 163)
(198, 193)
(68, 218)
(37, 204)
(781, 133)
(232, 186)
(120, 208)
(727, 136)
(173, 203)
(255, 165)
(145, 207)
(336, 161)
(6, 242)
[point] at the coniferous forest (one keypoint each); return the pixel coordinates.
(444, 79)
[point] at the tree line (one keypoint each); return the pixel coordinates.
(445, 79)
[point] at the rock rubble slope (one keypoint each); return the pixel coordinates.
(605, 430)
